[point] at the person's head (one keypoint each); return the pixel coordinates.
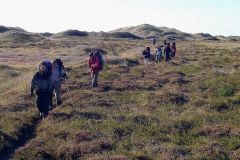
(42, 67)
(147, 49)
(91, 54)
(165, 42)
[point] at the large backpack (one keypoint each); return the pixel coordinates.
(49, 65)
(60, 64)
(101, 60)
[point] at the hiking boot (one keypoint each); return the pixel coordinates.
(40, 115)
(45, 116)
(59, 102)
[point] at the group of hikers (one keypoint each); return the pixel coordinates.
(169, 50)
(47, 81)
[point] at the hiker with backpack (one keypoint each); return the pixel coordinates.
(158, 54)
(165, 43)
(95, 66)
(146, 55)
(154, 41)
(58, 75)
(41, 83)
(167, 51)
(173, 49)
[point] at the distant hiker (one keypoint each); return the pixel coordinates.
(58, 75)
(158, 54)
(95, 67)
(146, 55)
(41, 83)
(165, 43)
(154, 41)
(167, 51)
(173, 49)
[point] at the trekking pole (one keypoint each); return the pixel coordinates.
(68, 90)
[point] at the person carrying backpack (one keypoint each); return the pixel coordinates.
(58, 75)
(158, 54)
(146, 55)
(154, 41)
(101, 59)
(95, 67)
(41, 83)
(167, 51)
(173, 49)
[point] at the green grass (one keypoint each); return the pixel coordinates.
(166, 111)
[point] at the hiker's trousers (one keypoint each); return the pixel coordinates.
(168, 57)
(146, 60)
(95, 79)
(57, 91)
(158, 58)
(43, 101)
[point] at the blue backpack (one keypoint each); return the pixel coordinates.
(49, 66)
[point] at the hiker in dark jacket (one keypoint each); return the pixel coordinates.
(146, 55)
(41, 83)
(173, 49)
(167, 51)
(154, 41)
(94, 67)
(158, 54)
(165, 43)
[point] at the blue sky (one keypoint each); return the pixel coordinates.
(217, 17)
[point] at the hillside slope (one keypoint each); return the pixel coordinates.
(150, 31)
(185, 109)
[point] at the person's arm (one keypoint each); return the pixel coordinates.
(89, 64)
(33, 83)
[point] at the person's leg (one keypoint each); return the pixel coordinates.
(92, 80)
(96, 79)
(39, 103)
(167, 56)
(158, 59)
(58, 92)
(51, 99)
(46, 103)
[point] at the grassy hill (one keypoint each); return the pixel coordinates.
(187, 108)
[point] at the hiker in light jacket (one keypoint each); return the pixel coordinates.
(41, 83)
(158, 54)
(58, 75)
(94, 67)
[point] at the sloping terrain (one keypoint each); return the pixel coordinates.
(187, 108)
(150, 31)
